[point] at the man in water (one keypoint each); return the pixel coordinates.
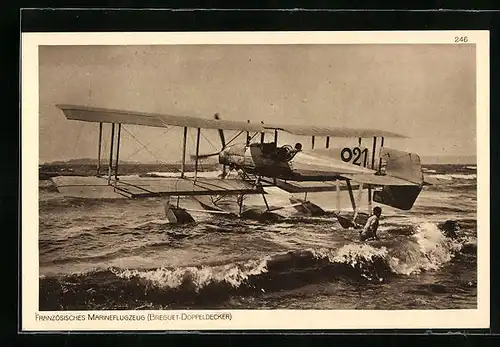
(370, 229)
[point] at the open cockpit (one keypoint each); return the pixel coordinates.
(284, 153)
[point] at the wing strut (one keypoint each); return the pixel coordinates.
(248, 135)
(351, 195)
(373, 151)
(99, 150)
(327, 142)
(110, 167)
(183, 165)
(337, 188)
(117, 151)
(374, 148)
(197, 152)
(312, 142)
(380, 159)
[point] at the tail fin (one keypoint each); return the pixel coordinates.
(402, 165)
(405, 166)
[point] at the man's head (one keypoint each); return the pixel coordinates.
(377, 211)
(298, 146)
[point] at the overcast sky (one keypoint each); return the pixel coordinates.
(426, 92)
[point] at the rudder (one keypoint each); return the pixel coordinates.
(403, 165)
(401, 197)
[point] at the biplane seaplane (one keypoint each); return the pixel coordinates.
(392, 177)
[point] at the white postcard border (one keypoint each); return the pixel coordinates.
(33, 320)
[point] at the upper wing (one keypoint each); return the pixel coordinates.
(93, 114)
(331, 131)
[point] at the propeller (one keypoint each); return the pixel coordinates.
(221, 133)
(205, 156)
(223, 146)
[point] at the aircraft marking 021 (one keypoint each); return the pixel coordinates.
(358, 156)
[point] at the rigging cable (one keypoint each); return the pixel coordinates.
(234, 138)
(147, 150)
(78, 137)
(140, 149)
(208, 141)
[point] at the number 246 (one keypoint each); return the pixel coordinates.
(461, 39)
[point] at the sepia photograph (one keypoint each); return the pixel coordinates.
(258, 176)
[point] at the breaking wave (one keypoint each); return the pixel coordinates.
(426, 249)
(450, 177)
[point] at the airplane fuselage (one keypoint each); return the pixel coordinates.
(285, 162)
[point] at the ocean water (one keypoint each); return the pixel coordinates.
(96, 254)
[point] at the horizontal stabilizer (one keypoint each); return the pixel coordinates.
(378, 180)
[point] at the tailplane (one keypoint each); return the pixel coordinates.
(401, 197)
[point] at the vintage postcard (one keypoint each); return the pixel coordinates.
(257, 180)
